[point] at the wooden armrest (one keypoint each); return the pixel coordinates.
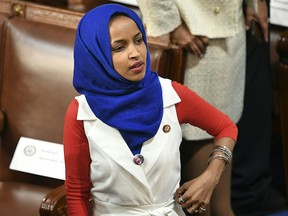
(167, 59)
(54, 203)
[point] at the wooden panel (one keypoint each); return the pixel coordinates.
(281, 75)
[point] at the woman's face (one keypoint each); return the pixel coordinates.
(128, 48)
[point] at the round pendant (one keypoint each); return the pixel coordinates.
(138, 159)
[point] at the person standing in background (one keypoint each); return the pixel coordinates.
(213, 32)
(252, 189)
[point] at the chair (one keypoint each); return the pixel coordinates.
(36, 68)
(35, 79)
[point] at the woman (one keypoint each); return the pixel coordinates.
(122, 134)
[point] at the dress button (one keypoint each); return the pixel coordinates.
(166, 128)
(138, 159)
(217, 10)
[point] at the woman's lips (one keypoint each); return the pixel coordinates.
(137, 67)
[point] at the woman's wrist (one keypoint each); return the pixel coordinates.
(221, 152)
(217, 166)
(214, 171)
(220, 157)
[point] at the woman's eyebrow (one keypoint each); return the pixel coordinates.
(118, 41)
(138, 34)
(123, 40)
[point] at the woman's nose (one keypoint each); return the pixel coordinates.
(133, 52)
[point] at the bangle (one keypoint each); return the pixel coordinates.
(221, 157)
(225, 155)
(224, 150)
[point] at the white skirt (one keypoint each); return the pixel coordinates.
(219, 78)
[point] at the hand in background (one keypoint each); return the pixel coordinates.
(184, 38)
(258, 20)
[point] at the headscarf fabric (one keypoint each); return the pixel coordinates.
(134, 108)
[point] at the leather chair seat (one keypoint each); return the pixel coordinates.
(21, 199)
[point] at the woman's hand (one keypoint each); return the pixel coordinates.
(195, 194)
(184, 38)
(259, 18)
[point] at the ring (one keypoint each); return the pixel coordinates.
(181, 200)
(202, 208)
(195, 210)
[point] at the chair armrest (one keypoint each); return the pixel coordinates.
(167, 59)
(54, 203)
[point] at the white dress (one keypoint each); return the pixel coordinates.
(219, 77)
(121, 187)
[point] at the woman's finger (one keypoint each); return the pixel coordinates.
(192, 209)
(202, 209)
(205, 40)
(201, 46)
(192, 46)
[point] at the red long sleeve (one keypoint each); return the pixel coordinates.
(77, 162)
(196, 111)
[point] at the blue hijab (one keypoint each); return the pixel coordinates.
(134, 108)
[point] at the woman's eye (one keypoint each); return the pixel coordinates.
(139, 40)
(118, 48)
